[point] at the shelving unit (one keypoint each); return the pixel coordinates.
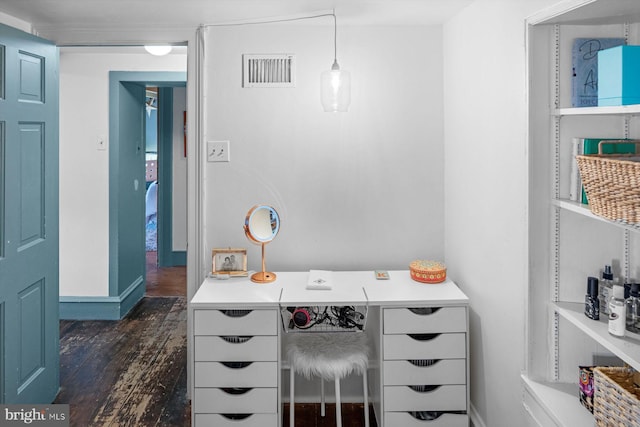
(568, 243)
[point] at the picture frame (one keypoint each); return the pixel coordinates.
(231, 261)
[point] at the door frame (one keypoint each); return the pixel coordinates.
(160, 79)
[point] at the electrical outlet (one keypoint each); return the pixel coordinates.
(218, 151)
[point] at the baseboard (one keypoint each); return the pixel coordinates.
(476, 420)
(173, 259)
(179, 258)
(104, 307)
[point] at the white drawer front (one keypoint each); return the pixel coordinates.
(253, 420)
(256, 348)
(443, 398)
(408, 321)
(444, 371)
(443, 346)
(215, 374)
(254, 401)
(215, 322)
(404, 419)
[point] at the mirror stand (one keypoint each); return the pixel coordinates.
(263, 276)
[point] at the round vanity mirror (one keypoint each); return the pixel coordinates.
(261, 226)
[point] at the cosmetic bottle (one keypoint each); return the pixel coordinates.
(605, 289)
(632, 307)
(617, 317)
(591, 303)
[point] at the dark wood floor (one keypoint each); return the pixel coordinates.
(132, 372)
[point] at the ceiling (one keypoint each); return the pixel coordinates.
(53, 15)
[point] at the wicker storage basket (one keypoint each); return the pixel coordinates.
(616, 399)
(612, 183)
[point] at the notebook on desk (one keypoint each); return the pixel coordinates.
(320, 280)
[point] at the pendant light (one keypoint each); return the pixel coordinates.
(336, 83)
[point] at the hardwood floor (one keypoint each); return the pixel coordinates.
(132, 372)
(165, 281)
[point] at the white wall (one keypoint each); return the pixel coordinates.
(179, 189)
(486, 188)
(356, 190)
(84, 170)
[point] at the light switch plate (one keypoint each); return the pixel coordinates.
(101, 142)
(218, 151)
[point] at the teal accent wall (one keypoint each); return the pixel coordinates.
(167, 257)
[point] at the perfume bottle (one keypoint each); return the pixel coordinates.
(606, 284)
(617, 317)
(632, 306)
(591, 303)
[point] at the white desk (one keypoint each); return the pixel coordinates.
(225, 313)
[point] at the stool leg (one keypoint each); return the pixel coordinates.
(338, 405)
(366, 398)
(322, 411)
(291, 401)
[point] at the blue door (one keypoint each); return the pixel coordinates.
(127, 262)
(29, 327)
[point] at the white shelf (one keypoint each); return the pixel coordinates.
(625, 348)
(557, 401)
(591, 111)
(584, 210)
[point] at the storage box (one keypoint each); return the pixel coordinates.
(427, 271)
(586, 387)
(618, 69)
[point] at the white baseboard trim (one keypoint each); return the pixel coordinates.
(476, 420)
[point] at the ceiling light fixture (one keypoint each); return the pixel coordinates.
(335, 83)
(158, 50)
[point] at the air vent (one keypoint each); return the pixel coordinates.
(278, 70)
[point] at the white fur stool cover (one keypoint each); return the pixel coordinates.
(329, 355)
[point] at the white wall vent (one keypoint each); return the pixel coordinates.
(277, 70)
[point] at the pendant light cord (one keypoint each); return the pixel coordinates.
(335, 37)
(300, 18)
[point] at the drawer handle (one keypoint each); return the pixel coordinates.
(424, 311)
(235, 313)
(235, 339)
(423, 388)
(432, 415)
(236, 365)
(423, 337)
(426, 415)
(236, 416)
(423, 362)
(236, 390)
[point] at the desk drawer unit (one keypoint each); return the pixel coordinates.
(424, 372)
(235, 368)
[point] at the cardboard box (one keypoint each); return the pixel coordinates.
(618, 76)
(585, 387)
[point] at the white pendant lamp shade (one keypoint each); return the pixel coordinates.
(335, 83)
(336, 89)
(158, 50)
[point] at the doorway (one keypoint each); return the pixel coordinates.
(128, 178)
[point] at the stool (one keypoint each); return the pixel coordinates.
(330, 356)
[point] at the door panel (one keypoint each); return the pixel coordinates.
(29, 327)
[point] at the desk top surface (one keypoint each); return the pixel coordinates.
(348, 288)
